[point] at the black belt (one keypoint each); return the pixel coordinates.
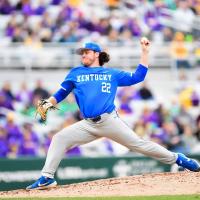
(95, 119)
(98, 118)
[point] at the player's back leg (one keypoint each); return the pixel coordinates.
(42, 183)
(74, 135)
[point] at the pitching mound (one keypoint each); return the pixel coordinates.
(140, 185)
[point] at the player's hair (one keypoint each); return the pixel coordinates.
(103, 58)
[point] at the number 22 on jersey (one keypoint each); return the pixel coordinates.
(105, 87)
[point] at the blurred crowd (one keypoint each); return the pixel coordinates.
(20, 134)
(174, 124)
(36, 21)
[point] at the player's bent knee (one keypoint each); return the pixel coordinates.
(57, 136)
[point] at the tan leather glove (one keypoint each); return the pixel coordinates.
(42, 108)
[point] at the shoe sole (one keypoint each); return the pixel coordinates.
(52, 185)
(198, 170)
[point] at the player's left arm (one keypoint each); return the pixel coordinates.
(46, 104)
(127, 78)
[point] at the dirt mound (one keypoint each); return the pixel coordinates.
(139, 185)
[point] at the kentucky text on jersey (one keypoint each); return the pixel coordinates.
(94, 77)
(95, 87)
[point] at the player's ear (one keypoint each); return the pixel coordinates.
(96, 54)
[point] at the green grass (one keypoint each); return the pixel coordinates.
(177, 197)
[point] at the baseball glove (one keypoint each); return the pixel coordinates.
(42, 108)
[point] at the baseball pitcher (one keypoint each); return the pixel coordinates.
(91, 82)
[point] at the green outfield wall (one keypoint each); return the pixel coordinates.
(18, 173)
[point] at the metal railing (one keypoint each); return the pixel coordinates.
(56, 55)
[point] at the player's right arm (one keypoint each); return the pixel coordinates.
(127, 78)
(145, 51)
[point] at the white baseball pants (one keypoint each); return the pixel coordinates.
(110, 126)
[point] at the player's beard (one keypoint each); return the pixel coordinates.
(88, 61)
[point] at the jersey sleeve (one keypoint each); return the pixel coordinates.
(68, 84)
(129, 78)
(60, 95)
(66, 87)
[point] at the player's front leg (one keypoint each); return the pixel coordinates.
(118, 131)
(187, 163)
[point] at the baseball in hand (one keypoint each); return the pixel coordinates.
(144, 41)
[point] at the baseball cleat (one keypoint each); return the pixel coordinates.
(42, 183)
(187, 163)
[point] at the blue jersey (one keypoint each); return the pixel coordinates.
(95, 87)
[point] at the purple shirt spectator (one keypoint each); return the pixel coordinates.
(125, 108)
(5, 101)
(129, 93)
(3, 142)
(65, 14)
(30, 144)
(24, 95)
(40, 10)
(28, 129)
(56, 2)
(10, 29)
(134, 27)
(27, 9)
(13, 130)
(159, 135)
(5, 7)
(6, 90)
(76, 151)
(4, 147)
(150, 116)
(108, 146)
(103, 27)
(22, 144)
(85, 24)
(14, 148)
(152, 21)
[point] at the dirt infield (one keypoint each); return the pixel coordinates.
(139, 185)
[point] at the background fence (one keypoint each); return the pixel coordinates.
(18, 173)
